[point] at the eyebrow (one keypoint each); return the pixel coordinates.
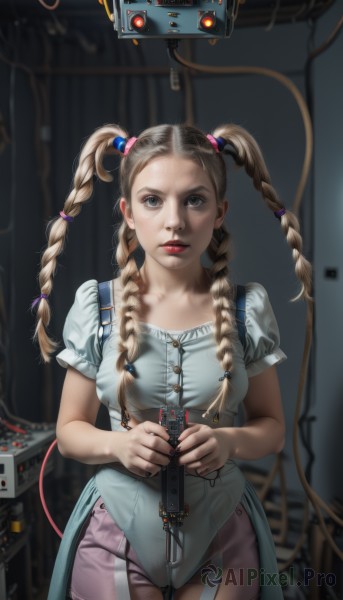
(195, 190)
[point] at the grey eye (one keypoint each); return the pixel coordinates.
(151, 201)
(195, 200)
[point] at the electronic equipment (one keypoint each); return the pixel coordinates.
(22, 450)
(173, 18)
(172, 506)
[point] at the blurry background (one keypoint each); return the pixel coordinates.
(62, 74)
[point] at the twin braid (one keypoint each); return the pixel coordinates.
(90, 163)
(129, 310)
(221, 292)
(248, 154)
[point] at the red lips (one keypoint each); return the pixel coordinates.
(174, 243)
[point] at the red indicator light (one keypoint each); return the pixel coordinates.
(138, 21)
(207, 21)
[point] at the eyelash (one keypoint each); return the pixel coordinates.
(147, 198)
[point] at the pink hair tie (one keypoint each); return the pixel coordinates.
(213, 142)
(66, 217)
(129, 145)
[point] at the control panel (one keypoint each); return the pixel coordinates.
(172, 18)
(22, 451)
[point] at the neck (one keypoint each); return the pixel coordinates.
(174, 282)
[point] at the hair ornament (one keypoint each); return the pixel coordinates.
(38, 299)
(125, 417)
(129, 144)
(213, 142)
(279, 213)
(119, 143)
(227, 375)
(123, 145)
(218, 143)
(131, 369)
(66, 217)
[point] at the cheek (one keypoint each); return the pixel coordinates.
(146, 228)
(204, 224)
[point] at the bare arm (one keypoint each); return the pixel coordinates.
(78, 438)
(264, 429)
(206, 449)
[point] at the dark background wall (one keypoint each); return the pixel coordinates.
(60, 78)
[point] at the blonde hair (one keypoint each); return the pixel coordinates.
(190, 143)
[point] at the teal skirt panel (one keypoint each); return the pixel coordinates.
(65, 558)
(270, 588)
(268, 572)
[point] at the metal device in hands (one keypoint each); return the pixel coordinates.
(172, 506)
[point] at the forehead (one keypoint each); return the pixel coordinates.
(172, 170)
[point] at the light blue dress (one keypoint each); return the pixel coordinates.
(180, 368)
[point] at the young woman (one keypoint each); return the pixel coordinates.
(173, 342)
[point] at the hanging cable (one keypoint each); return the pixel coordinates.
(106, 7)
(41, 490)
(49, 6)
(327, 43)
(317, 502)
(249, 70)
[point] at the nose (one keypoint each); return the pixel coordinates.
(174, 219)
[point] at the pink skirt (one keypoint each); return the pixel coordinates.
(103, 552)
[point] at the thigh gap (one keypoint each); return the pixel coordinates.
(102, 557)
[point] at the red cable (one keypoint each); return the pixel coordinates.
(41, 489)
(14, 428)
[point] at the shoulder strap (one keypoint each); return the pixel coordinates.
(240, 314)
(105, 306)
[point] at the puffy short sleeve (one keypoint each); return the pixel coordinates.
(262, 332)
(80, 333)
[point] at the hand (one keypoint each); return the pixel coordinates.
(145, 449)
(203, 449)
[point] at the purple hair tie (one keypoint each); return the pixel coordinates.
(38, 299)
(279, 213)
(66, 217)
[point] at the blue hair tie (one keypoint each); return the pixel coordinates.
(119, 143)
(221, 143)
(131, 369)
(227, 375)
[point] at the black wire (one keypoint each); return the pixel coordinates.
(172, 45)
(306, 421)
(212, 480)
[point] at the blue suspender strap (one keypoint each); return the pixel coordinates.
(240, 313)
(105, 304)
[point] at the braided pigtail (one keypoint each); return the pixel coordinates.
(248, 154)
(221, 292)
(128, 342)
(90, 163)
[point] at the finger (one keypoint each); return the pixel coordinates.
(194, 440)
(156, 429)
(197, 456)
(203, 471)
(153, 457)
(145, 468)
(156, 444)
(192, 428)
